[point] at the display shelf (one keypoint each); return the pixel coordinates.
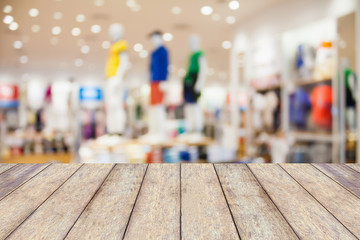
(40, 158)
(269, 88)
(300, 83)
(311, 136)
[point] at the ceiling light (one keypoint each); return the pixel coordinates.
(95, 28)
(18, 44)
(79, 62)
(216, 17)
(99, 3)
(8, 19)
(33, 12)
(56, 30)
(234, 4)
(24, 59)
(226, 44)
(13, 26)
(7, 9)
(54, 41)
(131, 3)
(58, 15)
(143, 54)
(230, 19)
(76, 31)
(105, 44)
(138, 47)
(176, 10)
(206, 10)
(80, 18)
(35, 28)
(167, 37)
(85, 49)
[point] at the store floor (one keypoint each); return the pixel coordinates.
(179, 201)
(41, 158)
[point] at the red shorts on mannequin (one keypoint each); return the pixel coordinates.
(156, 94)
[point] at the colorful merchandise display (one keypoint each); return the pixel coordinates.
(300, 105)
(321, 99)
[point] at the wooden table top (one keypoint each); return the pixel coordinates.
(179, 201)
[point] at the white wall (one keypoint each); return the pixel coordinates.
(274, 21)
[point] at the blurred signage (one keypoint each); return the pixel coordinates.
(91, 94)
(9, 95)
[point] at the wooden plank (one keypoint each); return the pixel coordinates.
(205, 213)
(356, 167)
(17, 175)
(108, 213)
(343, 175)
(250, 205)
(156, 214)
(5, 167)
(339, 201)
(308, 218)
(18, 205)
(54, 218)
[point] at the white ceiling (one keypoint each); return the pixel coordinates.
(51, 60)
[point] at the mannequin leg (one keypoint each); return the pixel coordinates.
(189, 118)
(199, 118)
(152, 120)
(161, 119)
(116, 116)
(351, 118)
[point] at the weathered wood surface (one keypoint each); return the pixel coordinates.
(309, 219)
(107, 215)
(160, 190)
(16, 207)
(5, 167)
(17, 175)
(251, 206)
(330, 194)
(203, 205)
(187, 201)
(54, 218)
(343, 175)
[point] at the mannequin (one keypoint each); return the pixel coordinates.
(350, 95)
(116, 67)
(59, 114)
(158, 77)
(272, 103)
(36, 90)
(193, 83)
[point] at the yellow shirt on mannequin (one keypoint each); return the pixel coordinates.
(113, 61)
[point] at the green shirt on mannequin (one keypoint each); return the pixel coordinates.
(193, 67)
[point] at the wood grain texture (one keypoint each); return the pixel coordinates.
(156, 214)
(329, 193)
(205, 213)
(356, 167)
(54, 218)
(254, 213)
(343, 175)
(108, 213)
(17, 175)
(5, 167)
(308, 218)
(18, 205)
